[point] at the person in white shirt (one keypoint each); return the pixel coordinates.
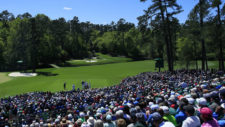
(191, 120)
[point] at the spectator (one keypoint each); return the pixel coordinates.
(98, 123)
(209, 121)
(109, 122)
(158, 121)
(167, 116)
(191, 120)
(121, 123)
(181, 116)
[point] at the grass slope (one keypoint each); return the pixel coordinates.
(52, 79)
(101, 59)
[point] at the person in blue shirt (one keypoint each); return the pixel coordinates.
(73, 87)
(181, 116)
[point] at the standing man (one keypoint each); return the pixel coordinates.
(73, 87)
(89, 85)
(64, 85)
(82, 84)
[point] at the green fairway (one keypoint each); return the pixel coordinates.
(52, 79)
(99, 59)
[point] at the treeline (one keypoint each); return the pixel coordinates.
(37, 41)
(40, 41)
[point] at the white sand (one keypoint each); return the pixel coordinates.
(19, 74)
(91, 61)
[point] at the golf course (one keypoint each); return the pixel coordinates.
(110, 71)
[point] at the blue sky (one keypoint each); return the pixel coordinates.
(95, 11)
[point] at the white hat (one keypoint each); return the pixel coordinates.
(202, 101)
(129, 105)
(150, 104)
(223, 105)
(154, 107)
(57, 120)
(108, 117)
(91, 121)
(165, 109)
(82, 114)
(191, 101)
(187, 96)
(70, 116)
(36, 124)
(119, 113)
(59, 117)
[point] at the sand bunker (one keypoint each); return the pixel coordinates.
(19, 74)
(91, 61)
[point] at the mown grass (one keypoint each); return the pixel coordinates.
(52, 79)
(100, 59)
(4, 77)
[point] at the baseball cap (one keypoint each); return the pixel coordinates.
(202, 101)
(156, 116)
(165, 109)
(206, 112)
(108, 117)
(154, 107)
(191, 101)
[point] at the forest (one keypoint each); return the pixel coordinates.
(39, 41)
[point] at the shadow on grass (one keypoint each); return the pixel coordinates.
(91, 64)
(47, 74)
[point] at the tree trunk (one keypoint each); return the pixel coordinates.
(221, 59)
(169, 39)
(166, 37)
(34, 46)
(201, 33)
(195, 54)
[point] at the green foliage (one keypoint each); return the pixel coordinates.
(18, 41)
(185, 50)
(1, 52)
(40, 41)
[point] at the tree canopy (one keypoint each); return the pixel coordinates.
(39, 40)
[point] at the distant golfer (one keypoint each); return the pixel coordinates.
(83, 84)
(89, 85)
(73, 87)
(64, 85)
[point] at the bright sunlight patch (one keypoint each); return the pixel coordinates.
(4, 77)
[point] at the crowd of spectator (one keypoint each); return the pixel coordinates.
(159, 99)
